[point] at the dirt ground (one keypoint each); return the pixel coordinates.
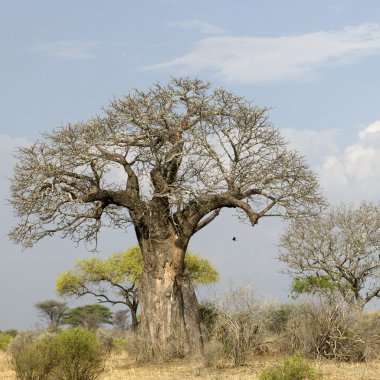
(120, 367)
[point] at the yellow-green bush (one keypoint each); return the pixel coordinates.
(32, 356)
(119, 344)
(294, 367)
(4, 341)
(81, 357)
(73, 354)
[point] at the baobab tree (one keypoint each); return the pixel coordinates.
(165, 161)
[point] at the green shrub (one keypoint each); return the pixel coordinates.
(209, 314)
(119, 344)
(295, 367)
(32, 356)
(81, 356)
(4, 341)
(278, 317)
(74, 354)
(11, 332)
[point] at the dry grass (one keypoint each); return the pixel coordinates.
(5, 372)
(122, 367)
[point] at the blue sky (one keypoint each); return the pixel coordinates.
(317, 64)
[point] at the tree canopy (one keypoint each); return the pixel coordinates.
(195, 150)
(90, 317)
(337, 252)
(121, 272)
(52, 310)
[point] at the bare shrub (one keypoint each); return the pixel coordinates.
(333, 331)
(136, 347)
(214, 354)
(241, 324)
(368, 328)
(139, 347)
(106, 339)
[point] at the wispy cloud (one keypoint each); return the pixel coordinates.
(201, 26)
(253, 59)
(67, 49)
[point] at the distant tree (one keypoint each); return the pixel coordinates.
(52, 310)
(90, 317)
(121, 273)
(165, 161)
(338, 252)
(120, 319)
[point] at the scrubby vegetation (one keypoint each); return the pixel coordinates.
(5, 338)
(238, 326)
(75, 354)
(292, 368)
(333, 331)
(239, 329)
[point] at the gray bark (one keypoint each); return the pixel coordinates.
(170, 321)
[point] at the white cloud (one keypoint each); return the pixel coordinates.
(68, 49)
(201, 26)
(311, 143)
(350, 173)
(370, 133)
(355, 173)
(253, 59)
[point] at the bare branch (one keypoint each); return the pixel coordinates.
(208, 220)
(343, 245)
(162, 160)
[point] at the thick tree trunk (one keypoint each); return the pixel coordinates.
(170, 322)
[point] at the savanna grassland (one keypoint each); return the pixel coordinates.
(120, 366)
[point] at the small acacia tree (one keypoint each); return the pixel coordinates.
(165, 161)
(52, 310)
(338, 252)
(90, 317)
(121, 272)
